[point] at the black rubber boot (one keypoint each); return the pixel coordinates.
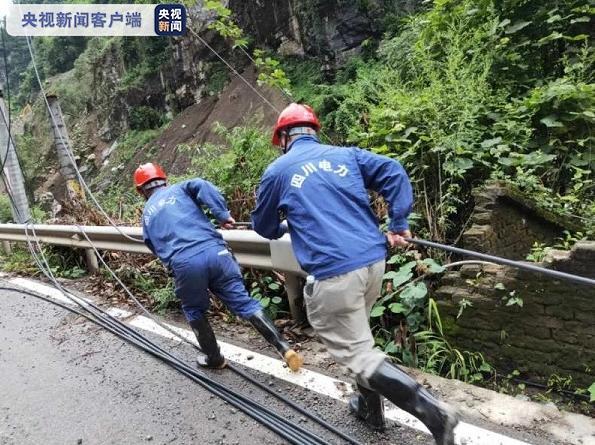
(211, 357)
(398, 387)
(267, 329)
(368, 406)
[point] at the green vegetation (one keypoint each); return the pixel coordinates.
(236, 167)
(408, 327)
(269, 291)
(145, 118)
(63, 262)
(460, 92)
(540, 250)
(141, 59)
(217, 77)
(19, 261)
(468, 91)
(5, 209)
(149, 281)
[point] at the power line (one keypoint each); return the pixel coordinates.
(214, 51)
(494, 259)
(262, 414)
(9, 124)
(234, 368)
(290, 431)
(68, 149)
(44, 267)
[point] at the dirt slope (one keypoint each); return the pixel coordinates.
(236, 105)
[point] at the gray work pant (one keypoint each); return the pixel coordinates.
(339, 311)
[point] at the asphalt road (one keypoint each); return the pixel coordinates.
(66, 381)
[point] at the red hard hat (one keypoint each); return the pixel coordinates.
(293, 116)
(147, 173)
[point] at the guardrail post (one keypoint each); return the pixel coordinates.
(91, 260)
(6, 247)
(294, 288)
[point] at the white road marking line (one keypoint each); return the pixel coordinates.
(313, 381)
(51, 292)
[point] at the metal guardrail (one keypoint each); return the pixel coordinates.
(250, 249)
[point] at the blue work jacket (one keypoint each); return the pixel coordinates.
(322, 191)
(174, 223)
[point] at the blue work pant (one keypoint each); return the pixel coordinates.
(216, 270)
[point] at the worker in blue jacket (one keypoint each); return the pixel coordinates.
(176, 229)
(322, 192)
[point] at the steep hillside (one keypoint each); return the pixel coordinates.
(460, 92)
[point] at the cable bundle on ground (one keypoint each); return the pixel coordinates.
(293, 433)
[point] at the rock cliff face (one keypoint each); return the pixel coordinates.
(184, 80)
(327, 29)
(330, 31)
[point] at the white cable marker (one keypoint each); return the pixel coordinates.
(466, 433)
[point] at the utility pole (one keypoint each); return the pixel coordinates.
(67, 169)
(13, 175)
(62, 143)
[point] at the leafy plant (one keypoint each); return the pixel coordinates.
(513, 300)
(149, 281)
(224, 23)
(164, 297)
(19, 261)
(65, 262)
(235, 168)
(270, 72)
(538, 252)
(568, 240)
(269, 291)
(436, 355)
(145, 118)
(463, 304)
(557, 382)
(409, 326)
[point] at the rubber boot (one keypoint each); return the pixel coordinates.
(368, 406)
(211, 357)
(398, 387)
(267, 329)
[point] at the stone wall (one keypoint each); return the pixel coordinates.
(553, 331)
(505, 223)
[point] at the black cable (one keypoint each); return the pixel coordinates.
(277, 424)
(128, 331)
(564, 392)
(504, 261)
(233, 368)
(251, 380)
(241, 402)
(38, 262)
(292, 404)
(121, 327)
(280, 425)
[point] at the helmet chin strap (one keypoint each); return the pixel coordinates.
(285, 137)
(148, 189)
(296, 131)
